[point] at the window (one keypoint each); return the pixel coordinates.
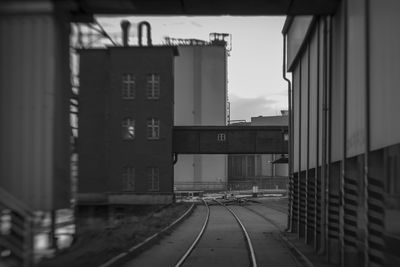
(153, 86)
(128, 178)
(128, 129)
(128, 86)
(153, 176)
(153, 128)
(221, 137)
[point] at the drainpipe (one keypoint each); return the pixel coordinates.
(367, 133)
(323, 120)
(290, 130)
(344, 136)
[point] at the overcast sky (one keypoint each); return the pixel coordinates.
(255, 84)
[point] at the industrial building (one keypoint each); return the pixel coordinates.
(345, 197)
(125, 140)
(267, 171)
(126, 119)
(200, 100)
(344, 153)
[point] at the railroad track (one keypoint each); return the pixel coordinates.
(249, 245)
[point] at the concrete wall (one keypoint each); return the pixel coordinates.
(200, 99)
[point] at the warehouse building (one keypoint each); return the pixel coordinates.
(345, 160)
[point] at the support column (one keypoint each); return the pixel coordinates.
(34, 103)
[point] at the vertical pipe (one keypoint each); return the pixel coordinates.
(367, 133)
(148, 33)
(125, 32)
(343, 174)
(329, 122)
(290, 151)
(324, 125)
(307, 241)
(317, 176)
(299, 171)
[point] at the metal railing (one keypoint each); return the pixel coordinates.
(16, 231)
(200, 186)
(263, 182)
(268, 183)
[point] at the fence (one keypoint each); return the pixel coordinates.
(263, 182)
(269, 183)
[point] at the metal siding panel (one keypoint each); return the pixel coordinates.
(356, 78)
(13, 113)
(320, 91)
(28, 100)
(6, 104)
(184, 92)
(296, 36)
(213, 85)
(313, 100)
(47, 64)
(37, 87)
(296, 128)
(337, 88)
(26, 104)
(384, 73)
(61, 190)
(304, 107)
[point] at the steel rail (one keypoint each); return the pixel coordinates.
(247, 237)
(196, 241)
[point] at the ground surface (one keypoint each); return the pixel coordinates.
(223, 243)
(97, 245)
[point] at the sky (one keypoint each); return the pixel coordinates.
(255, 83)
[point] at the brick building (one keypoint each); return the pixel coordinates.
(125, 125)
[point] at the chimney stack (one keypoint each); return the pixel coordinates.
(125, 32)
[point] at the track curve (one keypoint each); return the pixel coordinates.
(196, 241)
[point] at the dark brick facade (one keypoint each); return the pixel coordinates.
(103, 153)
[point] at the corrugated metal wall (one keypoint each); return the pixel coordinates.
(34, 110)
(313, 108)
(336, 97)
(355, 78)
(384, 39)
(304, 83)
(296, 125)
(345, 91)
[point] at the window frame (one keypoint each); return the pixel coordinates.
(128, 93)
(153, 127)
(221, 137)
(153, 88)
(126, 128)
(128, 178)
(153, 176)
